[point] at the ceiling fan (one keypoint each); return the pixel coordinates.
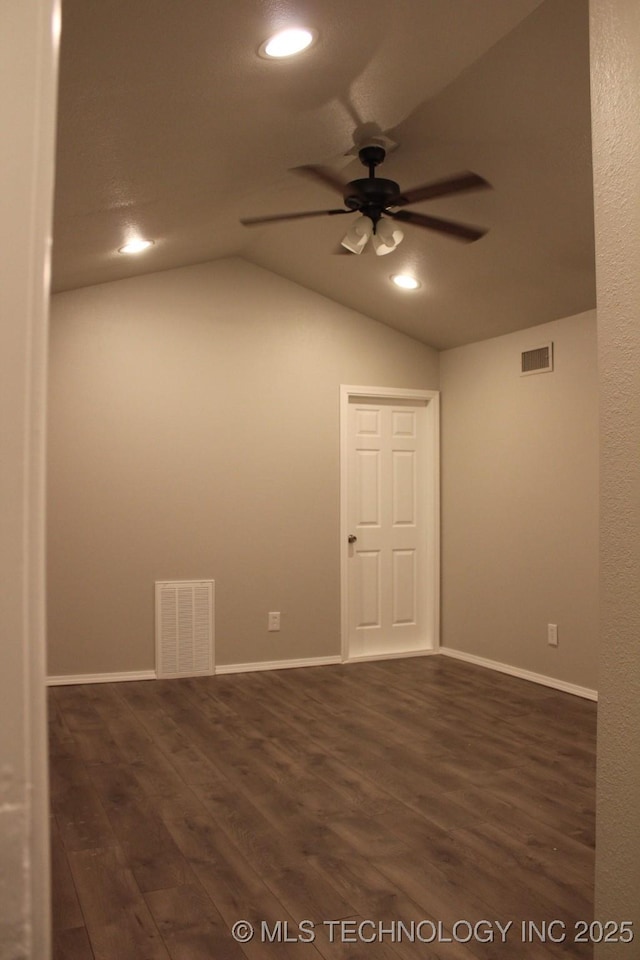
(377, 199)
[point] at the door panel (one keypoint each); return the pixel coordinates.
(367, 479)
(405, 587)
(367, 583)
(404, 487)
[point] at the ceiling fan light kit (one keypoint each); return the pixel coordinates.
(377, 200)
(355, 240)
(386, 238)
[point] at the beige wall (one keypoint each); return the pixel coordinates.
(28, 54)
(615, 58)
(520, 501)
(194, 434)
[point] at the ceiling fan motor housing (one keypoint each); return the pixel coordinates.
(371, 191)
(371, 195)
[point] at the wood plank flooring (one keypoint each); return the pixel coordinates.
(424, 790)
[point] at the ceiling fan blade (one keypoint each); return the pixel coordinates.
(254, 221)
(442, 188)
(322, 175)
(461, 231)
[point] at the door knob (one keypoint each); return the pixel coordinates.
(352, 538)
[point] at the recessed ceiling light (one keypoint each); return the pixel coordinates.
(135, 246)
(287, 43)
(405, 281)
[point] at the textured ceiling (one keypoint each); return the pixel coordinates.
(171, 127)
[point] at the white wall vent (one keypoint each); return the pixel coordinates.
(184, 628)
(537, 360)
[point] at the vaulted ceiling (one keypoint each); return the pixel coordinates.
(172, 127)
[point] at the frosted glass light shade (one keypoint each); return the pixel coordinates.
(355, 240)
(386, 238)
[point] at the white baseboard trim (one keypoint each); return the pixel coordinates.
(220, 669)
(562, 685)
(276, 665)
(124, 677)
(101, 678)
(392, 656)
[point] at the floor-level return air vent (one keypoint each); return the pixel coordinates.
(184, 628)
(537, 360)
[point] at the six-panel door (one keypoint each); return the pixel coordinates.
(387, 515)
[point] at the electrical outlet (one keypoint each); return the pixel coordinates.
(274, 621)
(552, 634)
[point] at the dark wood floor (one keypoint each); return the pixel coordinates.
(422, 789)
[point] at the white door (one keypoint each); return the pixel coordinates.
(391, 526)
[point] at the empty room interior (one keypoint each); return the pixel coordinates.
(322, 549)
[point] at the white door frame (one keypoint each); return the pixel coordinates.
(29, 54)
(431, 399)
